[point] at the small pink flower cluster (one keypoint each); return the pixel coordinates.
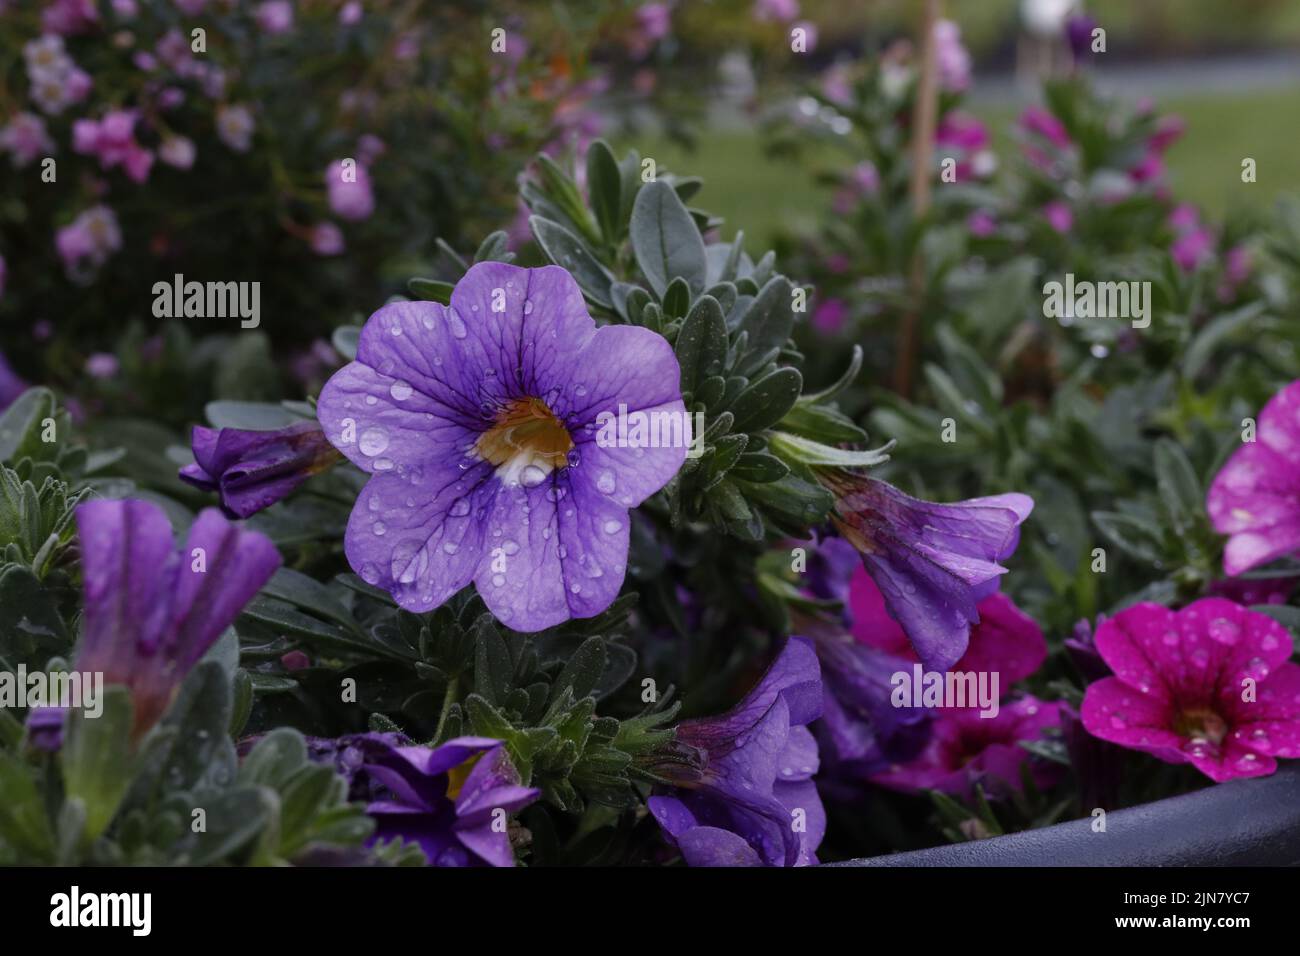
(56, 81)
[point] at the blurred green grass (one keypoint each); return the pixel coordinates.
(764, 196)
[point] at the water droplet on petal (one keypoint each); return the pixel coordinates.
(531, 476)
(612, 527)
(457, 324)
(400, 390)
(373, 441)
(459, 508)
(606, 483)
(383, 464)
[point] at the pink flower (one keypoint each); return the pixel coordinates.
(779, 10)
(1169, 129)
(1183, 218)
(1150, 169)
(177, 151)
(1040, 122)
(350, 14)
(1006, 640)
(125, 9)
(962, 131)
(25, 139)
(235, 127)
(1209, 685)
(88, 241)
(350, 195)
(137, 162)
(369, 148)
(1255, 497)
(274, 16)
(1058, 216)
(951, 57)
(1192, 249)
(829, 315)
(1237, 268)
(68, 17)
(967, 749)
(981, 223)
(654, 20)
(326, 239)
(103, 365)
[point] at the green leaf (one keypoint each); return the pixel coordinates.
(254, 416)
(808, 452)
(759, 467)
(23, 822)
(309, 594)
(665, 240)
(20, 424)
(701, 343)
(96, 757)
(583, 671)
(843, 382)
(345, 340)
(1180, 489)
(824, 424)
(495, 248)
(566, 250)
(1133, 535)
(605, 186)
(767, 400)
(769, 319)
(431, 290)
(1216, 332)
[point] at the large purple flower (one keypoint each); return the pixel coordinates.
(453, 800)
(252, 470)
(151, 610)
(1255, 497)
(746, 796)
(486, 425)
(933, 563)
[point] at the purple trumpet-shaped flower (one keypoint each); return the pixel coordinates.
(933, 563)
(151, 611)
(746, 798)
(861, 732)
(452, 800)
(501, 433)
(252, 470)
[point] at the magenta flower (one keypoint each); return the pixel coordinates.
(655, 20)
(151, 611)
(778, 10)
(1059, 216)
(24, 138)
(967, 749)
(745, 795)
(1211, 685)
(252, 470)
(488, 427)
(951, 57)
(1255, 497)
(350, 193)
(1005, 640)
(235, 127)
(830, 315)
(447, 799)
(933, 563)
(326, 239)
(981, 223)
(103, 365)
(1192, 249)
(89, 240)
(274, 16)
(1044, 124)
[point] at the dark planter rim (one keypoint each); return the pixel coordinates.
(1240, 823)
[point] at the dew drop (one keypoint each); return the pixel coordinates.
(373, 441)
(400, 390)
(459, 509)
(383, 464)
(531, 476)
(612, 527)
(606, 483)
(457, 324)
